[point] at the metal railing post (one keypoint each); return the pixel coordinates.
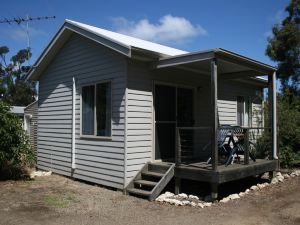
(178, 148)
(246, 146)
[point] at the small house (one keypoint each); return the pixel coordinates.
(131, 114)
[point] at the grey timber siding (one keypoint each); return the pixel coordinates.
(32, 110)
(97, 160)
(227, 102)
(139, 119)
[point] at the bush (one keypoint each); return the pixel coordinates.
(15, 150)
(288, 112)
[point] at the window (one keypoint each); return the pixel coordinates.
(96, 110)
(244, 112)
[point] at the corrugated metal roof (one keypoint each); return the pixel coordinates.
(129, 41)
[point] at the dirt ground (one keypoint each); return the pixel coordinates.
(59, 200)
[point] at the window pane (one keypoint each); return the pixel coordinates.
(248, 106)
(240, 110)
(88, 103)
(103, 109)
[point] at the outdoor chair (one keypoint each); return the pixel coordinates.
(239, 145)
(225, 138)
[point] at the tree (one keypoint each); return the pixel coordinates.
(284, 48)
(14, 88)
(15, 150)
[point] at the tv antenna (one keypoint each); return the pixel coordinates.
(27, 20)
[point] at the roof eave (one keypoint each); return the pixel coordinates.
(237, 58)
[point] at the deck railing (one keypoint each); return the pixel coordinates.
(193, 144)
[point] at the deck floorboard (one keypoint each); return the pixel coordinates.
(202, 171)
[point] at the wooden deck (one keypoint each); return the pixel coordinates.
(201, 171)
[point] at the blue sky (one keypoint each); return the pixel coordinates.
(239, 26)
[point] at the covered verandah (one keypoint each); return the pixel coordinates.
(222, 65)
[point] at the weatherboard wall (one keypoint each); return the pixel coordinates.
(97, 160)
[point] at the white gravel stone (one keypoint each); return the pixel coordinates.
(266, 184)
(254, 188)
(261, 186)
(182, 195)
(185, 202)
(280, 179)
(297, 172)
(247, 191)
(193, 204)
(200, 205)
(242, 194)
(286, 176)
(274, 180)
(207, 204)
(292, 174)
(278, 174)
(225, 200)
(159, 199)
(40, 174)
(194, 197)
(168, 194)
(233, 196)
(173, 201)
(265, 176)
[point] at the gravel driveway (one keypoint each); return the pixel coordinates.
(59, 200)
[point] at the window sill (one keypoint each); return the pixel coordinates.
(95, 137)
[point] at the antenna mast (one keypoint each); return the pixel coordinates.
(27, 19)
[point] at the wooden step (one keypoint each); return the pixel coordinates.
(153, 174)
(159, 167)
(145, 183)
(141, 192)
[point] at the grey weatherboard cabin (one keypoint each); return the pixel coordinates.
(131, 114)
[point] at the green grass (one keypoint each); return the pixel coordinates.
(58, 201)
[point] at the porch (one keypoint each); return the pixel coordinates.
(186, 134)
(198, 155)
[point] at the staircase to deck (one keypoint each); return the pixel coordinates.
(151, 180)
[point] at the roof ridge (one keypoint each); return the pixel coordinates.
(128, 40)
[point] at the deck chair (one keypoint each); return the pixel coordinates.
(225, 138)
(238, 146)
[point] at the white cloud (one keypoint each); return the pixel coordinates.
(278, 16)
(169, 29)
(268, 34)
(20, 34)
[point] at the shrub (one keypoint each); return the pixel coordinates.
(288, 112)
(15, 150)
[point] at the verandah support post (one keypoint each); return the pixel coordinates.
(177, 185)
(214, 191)
(177, 160)
(214, 99)
(273, 113)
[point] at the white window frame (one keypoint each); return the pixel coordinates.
(94, 136)
(247, 101)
